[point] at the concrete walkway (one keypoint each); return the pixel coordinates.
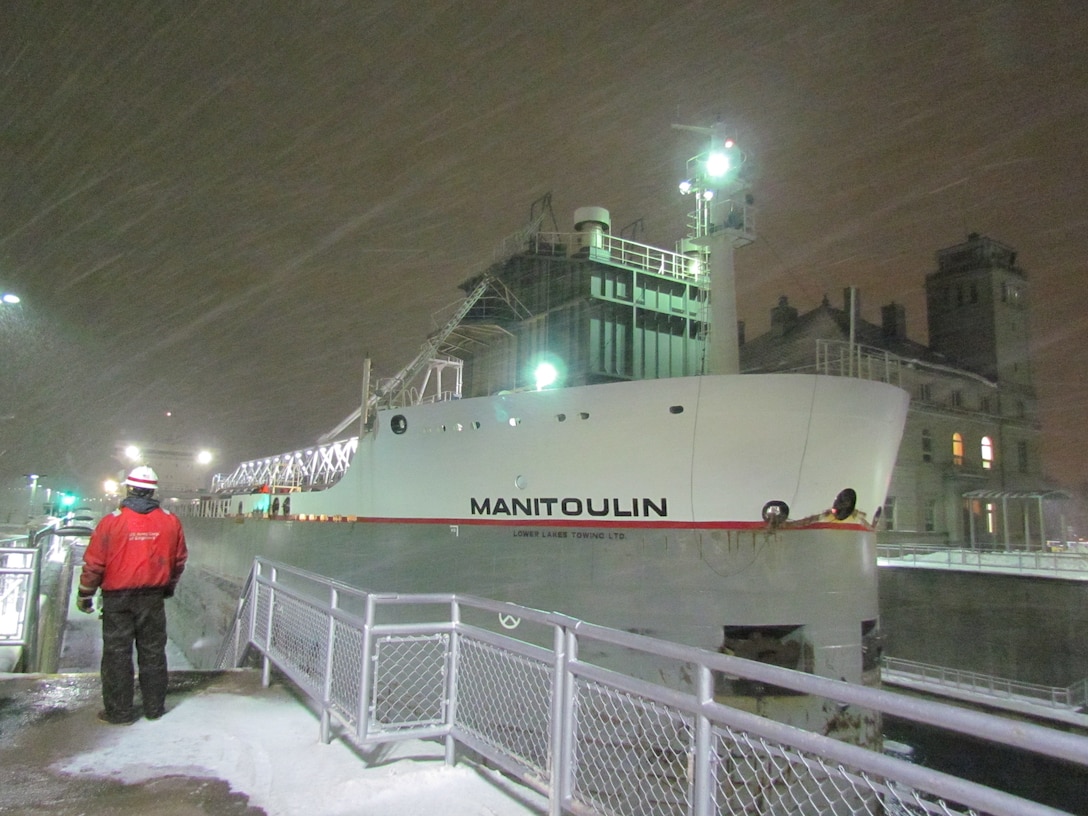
(226, 746)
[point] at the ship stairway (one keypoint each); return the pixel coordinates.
(530, 692)
(397, 390)
(1068, 705)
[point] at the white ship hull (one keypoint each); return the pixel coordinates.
(634, 505)
(693, 451)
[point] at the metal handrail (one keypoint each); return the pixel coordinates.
(20, 590)
(1041, 564)
(1070, 698)
(595, 740)
(626, 253)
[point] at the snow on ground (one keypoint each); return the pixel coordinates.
(266, 744)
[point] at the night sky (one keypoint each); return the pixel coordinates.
(217, 209)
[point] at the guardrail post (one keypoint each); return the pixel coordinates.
(566, 759)
(326, 688)
(702, 765)
(362, 716)
(266, 661)
(558, 706)
(453, 659)
(33, 604)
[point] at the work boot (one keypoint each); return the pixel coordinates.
(113, 719)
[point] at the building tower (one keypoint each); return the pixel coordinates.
(978, 313)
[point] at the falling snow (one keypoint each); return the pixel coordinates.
(218, 209)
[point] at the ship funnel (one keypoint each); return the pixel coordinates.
(591, 225)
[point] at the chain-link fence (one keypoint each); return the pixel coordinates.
(596, 740)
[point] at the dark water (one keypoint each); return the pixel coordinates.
(1041, 779)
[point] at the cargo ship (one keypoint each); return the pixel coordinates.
(646, 484)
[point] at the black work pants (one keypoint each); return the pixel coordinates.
(133, 616)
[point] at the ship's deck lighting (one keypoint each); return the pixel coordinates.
(546, 374)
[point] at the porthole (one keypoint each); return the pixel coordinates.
(476, 425)
(561, 417)
(514, 422)
(676, 409)
(398, 424)
(583, 415)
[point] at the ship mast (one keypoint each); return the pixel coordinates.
(721, 222)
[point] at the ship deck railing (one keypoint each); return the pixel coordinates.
(620, 252)
(1049, 701)
(841, 358)
(543, 697)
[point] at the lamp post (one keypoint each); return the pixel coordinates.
(32, 480)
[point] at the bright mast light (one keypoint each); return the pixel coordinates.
(717, 164)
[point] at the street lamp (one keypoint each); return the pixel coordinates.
(9, 298)
(32, 480)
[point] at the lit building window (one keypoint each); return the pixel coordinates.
(957, 449)
(987, 452)
(991, 518)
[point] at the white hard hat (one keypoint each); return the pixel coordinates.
(144, 477)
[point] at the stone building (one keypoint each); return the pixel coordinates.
(969, 468)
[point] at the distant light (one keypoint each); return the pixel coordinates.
(685, 186)
(110, 486)
(707, 195)
(546, 374)
(7, 297)
(717, 165)
(133, 453)
(204, 458)
(729, 144)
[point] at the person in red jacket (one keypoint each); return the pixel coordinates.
(136, 556)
